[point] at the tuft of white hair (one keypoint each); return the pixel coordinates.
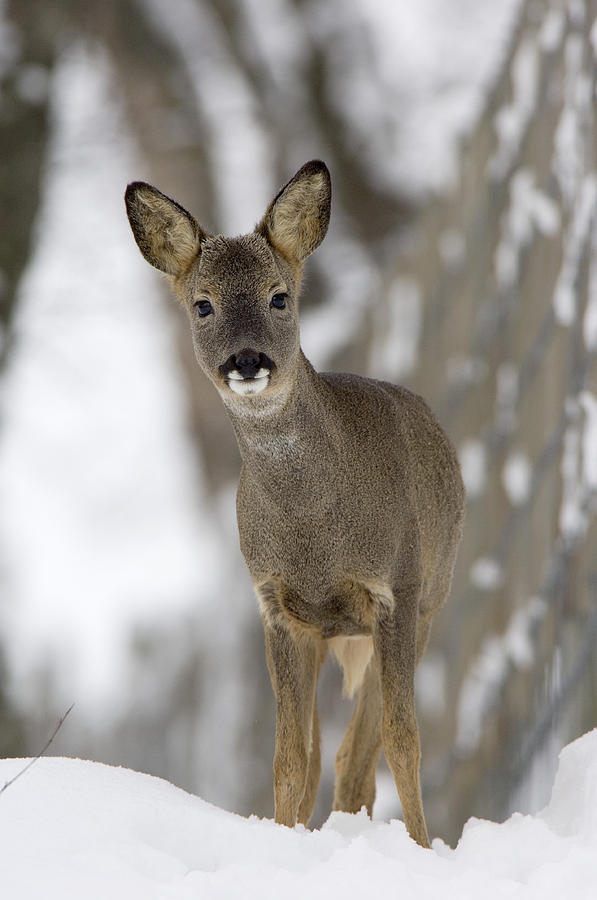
(353, 653)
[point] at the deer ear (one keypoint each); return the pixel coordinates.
(167, 235)
(297, 219)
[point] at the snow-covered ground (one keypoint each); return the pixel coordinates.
(73, 829)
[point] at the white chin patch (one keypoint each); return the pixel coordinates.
(247, 386)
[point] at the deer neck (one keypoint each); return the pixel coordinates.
(294, 427)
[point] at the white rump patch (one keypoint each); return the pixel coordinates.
(353, 654)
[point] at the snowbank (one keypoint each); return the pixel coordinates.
(73, 829)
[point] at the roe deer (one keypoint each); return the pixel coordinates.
(350, 500)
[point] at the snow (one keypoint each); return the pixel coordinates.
(473, 463)
(431, 681)
(71, 829)
(517, 476)
(588, 403)
(400, 76)
(486, 574)
(552, 30)
(395, 349)
(512, 119)
(572, 150)
(275, 35)
(565, 293)
(571, 519)
(589, 324)
(353, 280)
(236, 142)
(530, 211)
(578, 465)
(487, 673)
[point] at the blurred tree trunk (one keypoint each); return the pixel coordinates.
(23, 137)
(24, 130)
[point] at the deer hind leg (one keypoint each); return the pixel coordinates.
(432, 602)
(395, 643)
(313, 772)
(423, 629)
(293, 661)
(356, 760)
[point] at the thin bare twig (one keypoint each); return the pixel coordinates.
(40, 754)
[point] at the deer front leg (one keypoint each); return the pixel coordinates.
(395, 642)
(293, 660)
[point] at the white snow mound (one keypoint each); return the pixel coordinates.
(74, 829)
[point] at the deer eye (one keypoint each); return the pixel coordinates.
(203, 307)
(279, 301)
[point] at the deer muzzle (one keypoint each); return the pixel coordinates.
(247, 372)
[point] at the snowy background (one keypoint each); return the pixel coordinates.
(121, 583)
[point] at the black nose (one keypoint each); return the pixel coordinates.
(248, 363)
